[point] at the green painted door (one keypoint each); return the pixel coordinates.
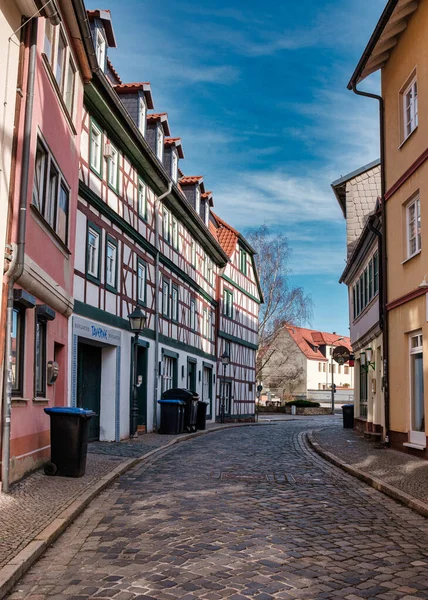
(89, 385)
(142, 387)
(191, 376)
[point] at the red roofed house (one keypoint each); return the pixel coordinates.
(298, 363)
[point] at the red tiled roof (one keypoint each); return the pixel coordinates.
(208, 196)
(141, 86)
(191, 179)
(177, 143)
(163, 118)
(113, 70)
(308, 341)
(226, 235)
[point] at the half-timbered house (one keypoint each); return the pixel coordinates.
(239, 297)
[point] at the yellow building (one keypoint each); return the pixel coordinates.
(398, 49)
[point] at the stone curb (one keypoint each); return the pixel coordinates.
(19, 564)
(379, 485)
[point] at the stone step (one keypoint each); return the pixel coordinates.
(372, 435)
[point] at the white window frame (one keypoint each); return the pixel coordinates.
(410, 108)
(111, 264)
(142, 199)
(174, 302)
(141, 282)
(193, 253)
(113, 168)
(198, 200)
(416, 202)
(93, 254)
(165, 298)
(174, 165)
(168, 373)
(160, 137)
(142, 116)
(166, 225)
(175, 233)
(192, 323)
(95, 151)
(416, 436)
(100, 49)
(228, 303)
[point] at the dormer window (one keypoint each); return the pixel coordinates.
(159, 143)
(198, 200)
(142, 117)
(174, 166)
(207, 213)
(100, 50)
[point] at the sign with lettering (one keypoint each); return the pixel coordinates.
(96, 331)
(341, 355)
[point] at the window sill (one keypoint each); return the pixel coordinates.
(50, 232)
(41, 400)
(17, 401)
(414, 446)
(55, 86)
(410, 257)
(407, 138)
(97, 173)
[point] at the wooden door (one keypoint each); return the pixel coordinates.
(89, 385)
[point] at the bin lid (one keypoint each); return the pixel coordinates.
(180, 394)
(171, 401)
(347, 406)
(69, 410)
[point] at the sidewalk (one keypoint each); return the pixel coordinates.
(39, 508)
(399, 475)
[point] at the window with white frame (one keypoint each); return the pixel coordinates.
(174, 302)
(50, 192)
(95, 155)
(59, 58)
(159, 143)
(413, 212)
(113, 168)
(175, 234)
(111, 263)
(93, 252)
(366, 287)
(193, 314)
(198, 200)
(165, 298)
(141, 281)
(417, 387)
(228, 303)
(242, 261)
(174, 166)
(169, 366)
(346, 370)
(320, 367)
(100, 49)
(142, 199)
(205, 323)
(210, 325)
(166, 225)
(193, 253)
(142, 116)
(210, 272)
(410, 108)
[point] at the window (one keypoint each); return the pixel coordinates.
(228, 303)
(193, 253)
(174, 166)
(243, 261)
(320, 367)
(142, 199)
(366, 287)
(410, 108)
(175, 234)
(18, 355)
(363, 391)
(141, 281)
(49, 40)
(323, 367)
(169, 370)
(210, 272)
(346, 370)
(95, 158)
(93, 252)
(205, 323)
(113, 168)
(198, 199)
(166, 226)
(193, 314)
(413, 211)
(111, 264)
(159, 143)
(174, 302)
(60, 61)
(69, 87)
(40, 359)
(50, 192)
(100, 49)
(165, 298)
(142, 115)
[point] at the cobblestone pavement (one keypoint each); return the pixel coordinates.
(245, 513)
(403, 471)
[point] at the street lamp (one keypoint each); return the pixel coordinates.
(137, 322)
(332, 374)
(225, 360)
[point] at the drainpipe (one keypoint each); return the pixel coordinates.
(17, 269)
(383, 279)
(157, 282)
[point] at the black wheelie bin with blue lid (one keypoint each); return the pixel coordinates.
(191, 408)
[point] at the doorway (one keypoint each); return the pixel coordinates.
(89, 385)
(191, 375)
(417, 406)
(226, 394)
(142, 386)
(207, 388)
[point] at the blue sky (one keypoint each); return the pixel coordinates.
(257, 92)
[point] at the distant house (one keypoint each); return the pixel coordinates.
(298, 363)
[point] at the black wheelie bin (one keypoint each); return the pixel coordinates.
(172, 416)
(348, 416)
(69, 440)
(191, 407)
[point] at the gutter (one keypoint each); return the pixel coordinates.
(17, 269)
(381, 235)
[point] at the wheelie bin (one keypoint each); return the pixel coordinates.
(201, 416)
(348, 416)
(172, 416)
(69, 441)
(191, 408)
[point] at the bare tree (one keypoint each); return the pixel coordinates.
(283, 302)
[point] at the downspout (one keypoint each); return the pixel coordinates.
(16, 271)
(383, 258)
(157, 284)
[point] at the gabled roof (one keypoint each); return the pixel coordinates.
(129, 88)
(339, 186)
(162, 118)
(191, 179)
(309, 340)
(176, 142)
(208, 196)
(391, 25)
(113, 70)
(105, 17)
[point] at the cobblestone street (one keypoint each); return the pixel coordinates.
(245, 513)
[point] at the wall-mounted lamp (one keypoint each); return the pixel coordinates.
(182, 371)
(200, 376)
(424, 282)
(366, 359)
